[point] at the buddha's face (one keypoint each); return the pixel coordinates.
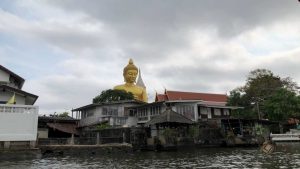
(130, 76)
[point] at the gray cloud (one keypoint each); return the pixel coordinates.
(204, 46)
(140, 18)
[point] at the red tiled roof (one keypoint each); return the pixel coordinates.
(178, 95)
(161, 97)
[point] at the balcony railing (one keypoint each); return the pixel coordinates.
(8, 108)
(112, 120)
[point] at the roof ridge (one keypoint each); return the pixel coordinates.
(195, 92)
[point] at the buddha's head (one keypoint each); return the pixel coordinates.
(130, 72)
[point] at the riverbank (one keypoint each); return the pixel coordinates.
(86, 149)
(20, 154)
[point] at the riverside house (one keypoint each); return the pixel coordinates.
(18, 115)
(194, 106)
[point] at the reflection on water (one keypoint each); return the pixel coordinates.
(195, 158)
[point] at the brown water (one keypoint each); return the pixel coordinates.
(187, 158)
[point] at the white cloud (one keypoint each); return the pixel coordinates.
(206, 46)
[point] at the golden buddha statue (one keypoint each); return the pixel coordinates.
(130, 73)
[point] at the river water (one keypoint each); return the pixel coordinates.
(187, 158)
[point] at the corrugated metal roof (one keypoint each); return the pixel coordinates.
(64, 127)
(169, 116)
(108, 103)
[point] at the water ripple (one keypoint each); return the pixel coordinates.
(196, 158)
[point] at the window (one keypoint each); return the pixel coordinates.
(154, 110)
(109, 111)
(88, 113)
(142, 112)
(217, 112)
(104, 111)
(203, 110)
(132, 112)
(186, 110)
(226, 112)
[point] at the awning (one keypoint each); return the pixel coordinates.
(169, 116)
(222, 107)
(64, 127)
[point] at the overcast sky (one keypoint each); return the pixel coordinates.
(69, 51)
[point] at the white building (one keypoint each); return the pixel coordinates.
(18, 121)
(194, 106)
(117, 114)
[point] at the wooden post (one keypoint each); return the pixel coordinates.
(157, 130)
(32, 144)
(72, 140)
(124, 137)
(98, 138)
(6, 144)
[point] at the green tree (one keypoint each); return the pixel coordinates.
(261, 85)
(64, 114)
(113, 95)
(282, 105)
(102, 126)
(237, 97)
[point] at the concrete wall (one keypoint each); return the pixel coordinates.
(131, 121)
(4, 77)
(18, 123)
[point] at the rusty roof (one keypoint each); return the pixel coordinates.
(180, 95)
(64, 127)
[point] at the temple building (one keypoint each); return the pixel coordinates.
(194, 106)
(18, 115)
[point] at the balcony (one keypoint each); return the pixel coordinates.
(7, 108)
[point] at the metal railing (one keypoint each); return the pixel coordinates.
(7, 108)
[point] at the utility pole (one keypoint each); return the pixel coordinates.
(258, 113)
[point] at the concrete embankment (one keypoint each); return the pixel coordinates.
(20, 154)
(86, 149)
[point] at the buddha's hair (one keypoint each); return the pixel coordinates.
(130, 66)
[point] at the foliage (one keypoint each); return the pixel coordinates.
(261, 83)
(64, 114)
(194, 131)
(259, 130)
(102, 126)
(282, 105)
(266, 94)
(113, 95)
